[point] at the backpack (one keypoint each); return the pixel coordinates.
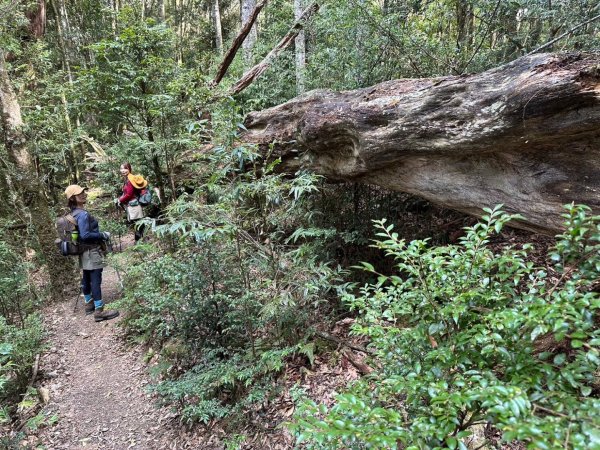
(144, 198)
(68, 236)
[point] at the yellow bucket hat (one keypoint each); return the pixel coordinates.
(137, 181)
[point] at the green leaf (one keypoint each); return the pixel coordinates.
(586, 391)
(367, 266)
(498, 227)
(451, 442)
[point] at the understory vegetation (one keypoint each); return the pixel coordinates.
(21, 331)
(464, 336)
(244, 271)
(239, 288)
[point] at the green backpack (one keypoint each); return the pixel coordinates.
(144, 198)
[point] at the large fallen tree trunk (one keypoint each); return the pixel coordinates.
(526, 134)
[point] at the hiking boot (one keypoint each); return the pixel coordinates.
(100, 314)
(89, 308)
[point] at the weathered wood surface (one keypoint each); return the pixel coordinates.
(526, 134)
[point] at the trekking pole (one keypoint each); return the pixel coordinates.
(115, 215)
(79, 294)
(120, 280)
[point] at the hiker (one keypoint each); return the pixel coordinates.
(133, 185)
(91, 259)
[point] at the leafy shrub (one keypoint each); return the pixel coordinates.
(239, 287)
(18, 347)
(16, 296)
(465, 336)
(20, 330)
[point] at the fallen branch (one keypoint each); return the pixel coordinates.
(237, 43)
(36, 367)
(337, 340)
(259, 69)
(32, 411)
(360, 366)
(566, 33)
(19, 226)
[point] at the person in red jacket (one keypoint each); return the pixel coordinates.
(132, 187)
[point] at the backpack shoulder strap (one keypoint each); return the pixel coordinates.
(72, 216)
(71, 219)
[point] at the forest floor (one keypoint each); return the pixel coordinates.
(96, 385)
(96, 397)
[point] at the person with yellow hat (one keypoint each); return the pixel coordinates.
(129, 200)
(91, 260)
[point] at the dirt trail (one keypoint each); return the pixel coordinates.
(97, 385)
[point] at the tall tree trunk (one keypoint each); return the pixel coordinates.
(29, 187)
(247, 8)
(60, 12)
(37, 19)
(115, 8)
(160, 184)
(62, 30)
(464, 24)
(256, 71)
(74, 25)
(161, 10)
(362, 34)
(216, 17)
(509, 20)
(178, 21)
(300, 44)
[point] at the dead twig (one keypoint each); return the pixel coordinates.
(36, 367)
(570, 270)
(339, 341)
(549, 411)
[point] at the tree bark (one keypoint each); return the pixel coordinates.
(216, 17)
(526, 135)
(300, 44)
(161, 10)
(248, 7)
(62, 30)
(37, 19)
(29, 187)
(464, 24)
